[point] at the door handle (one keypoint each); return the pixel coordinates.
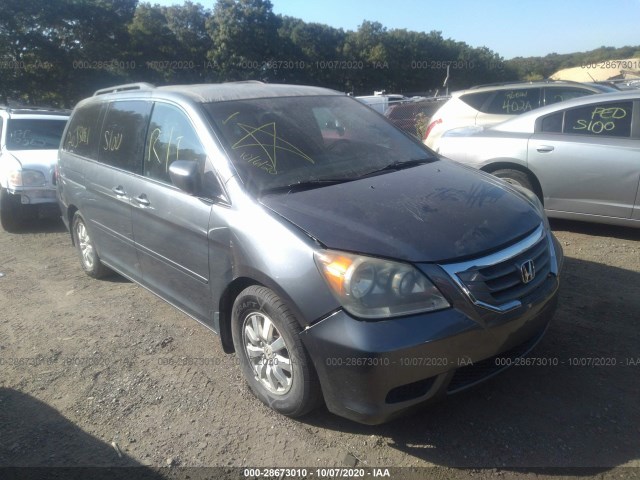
(545, 148)
(142, 200)
(119, 191)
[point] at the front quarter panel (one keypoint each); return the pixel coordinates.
(270, 250)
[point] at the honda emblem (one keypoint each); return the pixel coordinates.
(527, 271)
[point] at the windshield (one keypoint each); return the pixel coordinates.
(34, 134)
(288, 141)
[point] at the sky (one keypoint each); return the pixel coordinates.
(511, 28)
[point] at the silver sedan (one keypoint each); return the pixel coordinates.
(581, 157)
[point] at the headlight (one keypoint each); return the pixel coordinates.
(369, 287)
(26, 178)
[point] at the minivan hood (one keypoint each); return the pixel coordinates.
(430, 213)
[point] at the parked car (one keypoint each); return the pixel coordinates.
(414, 116)
(364, 271)
(581, 157)
(380, 101)
(491, 104)
(29, 141)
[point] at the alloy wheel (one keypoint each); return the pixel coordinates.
(268, 353)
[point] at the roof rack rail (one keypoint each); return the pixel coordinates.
(524, 82)
(31, 108)
(124, 88)
(254, 82)
(498, 84)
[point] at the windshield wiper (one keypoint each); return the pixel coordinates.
(323, 182)
(395, 166)
(306, 185)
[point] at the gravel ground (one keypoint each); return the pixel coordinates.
(103, 373)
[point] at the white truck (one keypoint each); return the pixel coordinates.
(29, 141)
(380, 100)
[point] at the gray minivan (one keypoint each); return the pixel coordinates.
(339, 258)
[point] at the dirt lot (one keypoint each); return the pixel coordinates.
(104, 373)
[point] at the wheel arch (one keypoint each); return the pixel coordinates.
(231, 292)
(512, 165)
(71, 211)
(225, 307)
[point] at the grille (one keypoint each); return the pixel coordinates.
(496, 281)
(501, 283)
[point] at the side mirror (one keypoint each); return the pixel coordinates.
(184, 175)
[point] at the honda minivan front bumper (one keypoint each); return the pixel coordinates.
(372, 371)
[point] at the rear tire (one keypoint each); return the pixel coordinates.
(89, 258)
(9, 211)
(271, 355)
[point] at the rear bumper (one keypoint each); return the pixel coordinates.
(371, 372)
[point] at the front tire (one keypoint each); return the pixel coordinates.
(271, 355)
(9, 211)
(515, 177)
(89, 258)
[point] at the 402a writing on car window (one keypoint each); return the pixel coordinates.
(516, 106)
(517, 102)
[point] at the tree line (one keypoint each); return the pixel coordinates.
(56, 52)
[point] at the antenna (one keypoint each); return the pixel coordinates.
(446, 81)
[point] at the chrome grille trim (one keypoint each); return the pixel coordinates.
(532, 242)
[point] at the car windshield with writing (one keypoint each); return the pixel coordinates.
(313, 141)
(32, 134)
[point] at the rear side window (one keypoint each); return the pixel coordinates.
(171, 137)
(560, 94)
(603, 119)
(513, 102)
(123, 134)
(476, 100)
(552, 123)
(82, 136)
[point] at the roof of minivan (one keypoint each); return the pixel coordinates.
(220, 92)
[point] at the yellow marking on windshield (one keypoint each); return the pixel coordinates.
(224, 122)
(271, 148)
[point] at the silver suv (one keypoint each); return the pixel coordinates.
(339, 258)
(29, 141)
(495, 103)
